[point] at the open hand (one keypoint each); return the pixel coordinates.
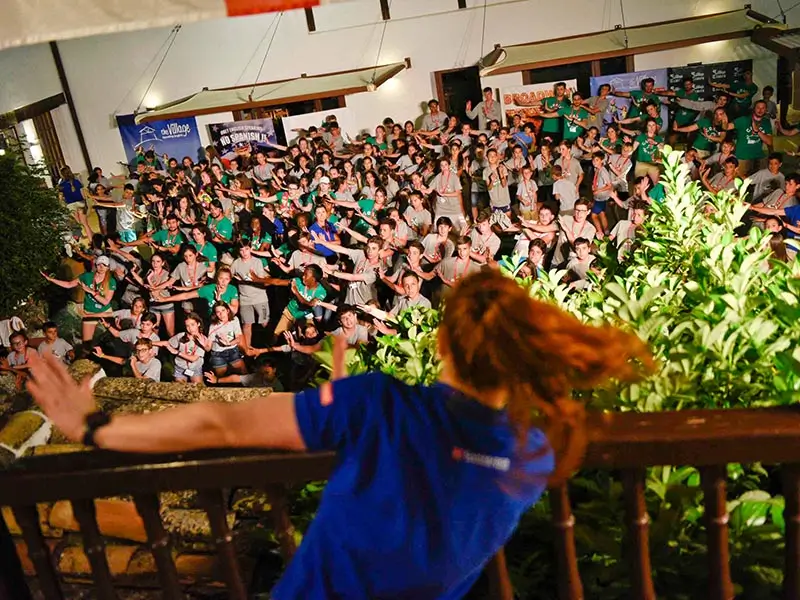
(63, 401)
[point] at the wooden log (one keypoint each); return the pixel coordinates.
(190, 566)
(43, 510)
(120, 519)
(115, 518)
(25, 558)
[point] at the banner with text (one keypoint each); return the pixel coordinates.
(519, 100)
(174, 137)
(625, 82)
(702, 75)
(242, 138)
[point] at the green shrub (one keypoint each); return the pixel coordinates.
(30, 232)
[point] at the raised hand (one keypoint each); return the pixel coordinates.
(63, 401)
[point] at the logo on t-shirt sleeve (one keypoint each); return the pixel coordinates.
(498, 463)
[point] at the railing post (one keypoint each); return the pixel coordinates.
(38, 551)
(500, 587)
(281, 520)
(716, 517)
(147, 506)
(791, 516)
(223, 538)
(12, 578)
(637, 538)
(569, 579)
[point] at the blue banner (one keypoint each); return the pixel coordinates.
(625, 82)
(242, 138)
(174, 137)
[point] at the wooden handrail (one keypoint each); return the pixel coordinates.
(629, 442)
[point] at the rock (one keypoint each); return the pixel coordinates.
(127, 390)
(22, 431)
(73, 560)
(250, 503)
(190, 524)
(34, 314)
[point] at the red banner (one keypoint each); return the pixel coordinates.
(238, 8)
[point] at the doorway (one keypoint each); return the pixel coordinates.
(455, 88)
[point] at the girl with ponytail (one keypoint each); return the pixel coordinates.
(421, 496)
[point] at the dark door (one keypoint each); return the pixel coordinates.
(457, 87)
(581, 72)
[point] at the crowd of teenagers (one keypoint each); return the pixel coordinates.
(232, 270)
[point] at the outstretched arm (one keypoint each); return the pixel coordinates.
(264, 422)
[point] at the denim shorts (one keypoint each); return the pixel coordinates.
(165, 308)
(223, 358)
(598, 206)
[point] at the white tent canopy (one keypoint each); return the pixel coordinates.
(276, 92)
(35, 21)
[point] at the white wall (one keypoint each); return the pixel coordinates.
(109, 74)
(68, 139)
(28, 75)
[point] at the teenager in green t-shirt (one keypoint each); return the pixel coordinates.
(752, 132)
(647, 147)
(640, 97)
(208, 253)
(742, 92)
(307, 291)
(98, 290)
(709, 132)
(575, 116)
(551, 127)
(218, 224)
(171, 239)
(221, 290)
(652, 113)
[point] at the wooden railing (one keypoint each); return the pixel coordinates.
(624, 442)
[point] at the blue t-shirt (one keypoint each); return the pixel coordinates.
(417, 504)
(329, 235)
(71, 190)
(792, 214)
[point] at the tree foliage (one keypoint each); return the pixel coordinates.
(31, 231)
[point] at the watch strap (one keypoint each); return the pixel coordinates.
(94, 421)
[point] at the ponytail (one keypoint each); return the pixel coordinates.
(535, 355)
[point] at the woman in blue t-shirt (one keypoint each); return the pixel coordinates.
(430, 481)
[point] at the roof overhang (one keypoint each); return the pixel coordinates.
(25, 22)
(785, 43)
(654, 37)
(273, 93)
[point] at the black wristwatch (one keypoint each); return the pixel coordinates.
(94, 421)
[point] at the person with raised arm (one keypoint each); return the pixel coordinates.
(98, 290)
(484, 441)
